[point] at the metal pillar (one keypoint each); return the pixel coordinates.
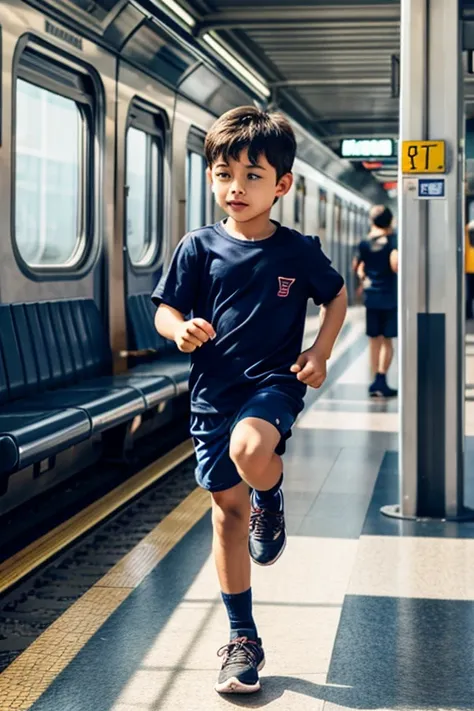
(431, 275)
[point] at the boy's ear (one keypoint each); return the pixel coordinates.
(284, 184)
(209, 175)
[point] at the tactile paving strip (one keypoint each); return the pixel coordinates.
(33, 606)
(23, 682)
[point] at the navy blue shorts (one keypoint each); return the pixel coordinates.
(382, 322)
(215, 470)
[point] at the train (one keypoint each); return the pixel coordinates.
(104, 110)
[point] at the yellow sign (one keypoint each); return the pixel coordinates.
(423, 157)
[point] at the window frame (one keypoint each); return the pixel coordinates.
(195, 144)
(204, 203)
(40, 65)
(150, 120)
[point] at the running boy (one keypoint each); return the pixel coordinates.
(246, 282)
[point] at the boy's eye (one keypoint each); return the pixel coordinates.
(254, 176)
(222, 175)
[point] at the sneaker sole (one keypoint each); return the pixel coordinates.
(271, 562)
(234, 686)
(382, 395)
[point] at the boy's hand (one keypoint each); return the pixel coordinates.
(192, 334)
(310, 368)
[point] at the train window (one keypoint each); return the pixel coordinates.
(49, 156)
(144, 181)
(53, 164)
(196, 202)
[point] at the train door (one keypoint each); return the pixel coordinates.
(337, 227)
(322, 217)
(143, 205)
(144, 174)
(299, 204)
(311, 208)
(351, 277)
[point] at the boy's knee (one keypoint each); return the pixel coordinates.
(250, 456)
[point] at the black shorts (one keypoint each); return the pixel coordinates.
(382, 322)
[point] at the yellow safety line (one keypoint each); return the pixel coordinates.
(31, 673)
(34, 555)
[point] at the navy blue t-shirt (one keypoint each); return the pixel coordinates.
(381, 289)
(255, 296)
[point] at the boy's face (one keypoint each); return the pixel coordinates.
(245, 191)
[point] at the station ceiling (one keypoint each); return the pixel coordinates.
(331, 59)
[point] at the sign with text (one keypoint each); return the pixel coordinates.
(431, 189)
(423, 157)
(361, 148)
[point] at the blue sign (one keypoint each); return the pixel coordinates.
(431, 188)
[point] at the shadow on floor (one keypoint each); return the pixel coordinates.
(391, 654)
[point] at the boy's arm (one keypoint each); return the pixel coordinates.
(188, 335)
(176, 295)
(394, 260)
(310, 367)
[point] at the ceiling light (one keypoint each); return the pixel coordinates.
(236, 66)
(179, 12)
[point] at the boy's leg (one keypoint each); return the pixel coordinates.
(374, 333)
(230, 520)
(380, 387)
(243, 655)
(252, 449)
(375, 349)
(386, 356)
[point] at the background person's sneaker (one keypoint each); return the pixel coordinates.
(267, 534)
(243, 659)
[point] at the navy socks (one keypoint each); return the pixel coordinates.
(270, 500)
(239, 611)
(239, 606)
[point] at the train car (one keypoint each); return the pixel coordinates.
(104, 110)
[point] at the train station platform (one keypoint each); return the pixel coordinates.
(361, 612)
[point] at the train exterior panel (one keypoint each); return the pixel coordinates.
(103, 121)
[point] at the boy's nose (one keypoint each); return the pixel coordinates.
(236, 188)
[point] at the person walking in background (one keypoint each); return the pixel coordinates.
(377, 270)
(469, 269)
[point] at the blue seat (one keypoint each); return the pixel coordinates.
(27, 433)
(161, 356)
(154, 387)
(176, 366)
(27, 436)
(56, 387)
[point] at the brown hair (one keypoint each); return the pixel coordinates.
(257, 131)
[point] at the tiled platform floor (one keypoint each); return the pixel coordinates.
(361, 612)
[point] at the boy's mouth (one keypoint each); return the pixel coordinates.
(237, 204)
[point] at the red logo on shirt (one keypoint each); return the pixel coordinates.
(285, 283)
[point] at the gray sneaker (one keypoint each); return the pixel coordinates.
(243, 659)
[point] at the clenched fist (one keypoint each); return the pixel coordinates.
(192, 334)
(310, 368)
